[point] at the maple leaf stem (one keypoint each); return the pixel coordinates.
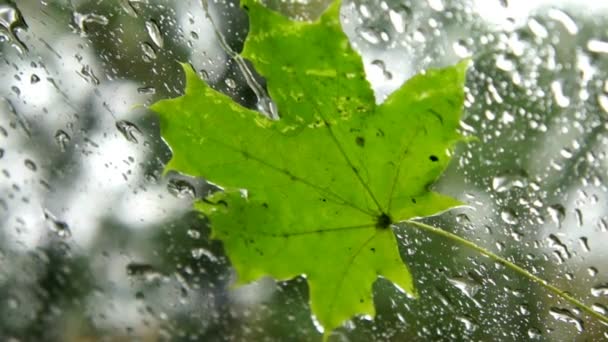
(560, 293)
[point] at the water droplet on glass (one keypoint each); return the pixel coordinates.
(144, 271)
(181, 189)
(230, 83)
(562, 252)
(193, 233)
(469, 324)
(399, 17)
(128, 130)
(197, 253)
(564, 315)
(437, 5)
(603, 225)
(597, 46)
(461, 49)
(600, 290)
(463, 219)
(584, 244)
(567, 21)
(382, 66)
(510, 179)
(10, 21)
(149, 53)
(56, 226)
(13, 303)
(84, 20)
(557, 212)
(603, 102)
(34, 79)
(509, 216)
(62, 139)
(579, 217)
(369, 34)
(88, 75)
(128, 8)
(30, 165)
(534, 334)
(558, 93)
(146, 90)
(537, 28)
(592, 271)
(599, 308)
(467, 286)
(154, 33)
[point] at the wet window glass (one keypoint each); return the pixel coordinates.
(97, 242)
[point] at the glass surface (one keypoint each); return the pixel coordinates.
(96, 243)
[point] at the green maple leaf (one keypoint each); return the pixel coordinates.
(325, 183)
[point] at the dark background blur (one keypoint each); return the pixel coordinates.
(96, 244)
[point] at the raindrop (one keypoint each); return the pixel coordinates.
(561, 249)
(557, 212)
(382, 66)
(11, 20)
(566, 153)
(230, 83)
(128, 8)
(30, 165)
(558, 93)
(181, 189)
(603, 225)
(468, 322)
(592, 271)
(600, 290)
(467, 286)
(537, 28)
(597, 46)
(145, 271)
(399, 17)
(146, 90)
(83, 21)
(34, 79)
(437, 5)
(13, 303)
(56, 226)
(584, 244)
(509, 216)
(564, 315)
(568, 23)
(197, 253)
(193, 233)
(603, 102)
(461, 49)
(463, 219)
(88, 75)
(579, 217)
(511, 179)
(128, 130)
(149, 53)
(364, 11)
(151, 177)
(154, 33)
(369, 34)
(62, 139)
(534, 334)
(600, 308)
